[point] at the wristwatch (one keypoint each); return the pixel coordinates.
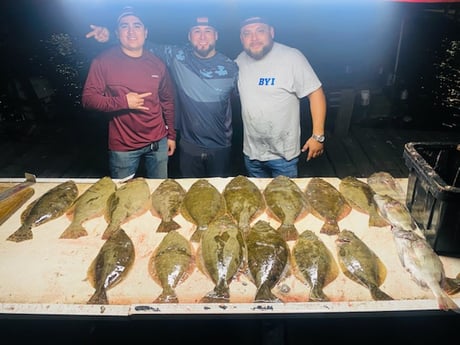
(319, 138)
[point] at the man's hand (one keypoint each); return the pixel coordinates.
(136, 100)
(100, 33)
(314, 148)
(171, 147)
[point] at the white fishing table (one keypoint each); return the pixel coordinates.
(47, 275)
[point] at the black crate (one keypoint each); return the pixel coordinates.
(433, 193)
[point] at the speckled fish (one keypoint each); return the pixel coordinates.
(171, 264)
(286, 203)
(423, 265)
(327, 204)
(268, 255)
(128, 201)
(51, 205)
(221, 253)
(360, 197)
(395, 212)
(166, 203)
(201, 205)
(384, 183)
(360, 264)
(111, 265)
(91, 204)
(244, 201)
(314, 264)
(12, 203)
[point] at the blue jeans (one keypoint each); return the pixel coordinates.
(125, 163)
(271, 168)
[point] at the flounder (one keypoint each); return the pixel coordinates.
(244, 201)
(51, 205)
(201, 205)
(383, 183)
(327, 203)
(128, 201)
(14, 202)
(91, 204)
(314, 264)
(171, 264)
(268, 255)
(395, 212)
(222, 252)
(166, 203)
(286, 203)
(360, 264)
(111, 265)
(360, 197)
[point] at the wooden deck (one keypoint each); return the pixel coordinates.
(78, 149)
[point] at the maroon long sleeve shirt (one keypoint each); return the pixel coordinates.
(111, 76)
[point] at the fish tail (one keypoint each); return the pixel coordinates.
(264, 294)
(24, 233)
(167, 226)
(330, 227)
(379, 295)
(288, 232)
(218, 295)
(74, 230)
(111, 228)
(447, 303)
(167, 296)
(317, 295)
(99, 297)
(196, 236)
(375, 220)
(451, 285)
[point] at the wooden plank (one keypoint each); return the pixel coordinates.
(358, 156)
(342, 122)
(339, 158)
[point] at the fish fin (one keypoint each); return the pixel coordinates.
(379, 295)
(196, 236)
(288, 232)
(74, 230)
(451, 285)
(375, 220)
(99, 297)
(109, 231)
(24, 233)
(167, 226)
(167, 296)
(220, 294)
(330, 227)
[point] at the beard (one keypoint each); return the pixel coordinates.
(260, 54)
(204, 52)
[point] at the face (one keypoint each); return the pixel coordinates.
(132, 34)
(257, 39)
(203, 40)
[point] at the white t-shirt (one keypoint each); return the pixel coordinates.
(270, 90)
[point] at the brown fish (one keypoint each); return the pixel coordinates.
(171, 264)
(395, 212)
(166, 203)
(111, 265)
(6, 193)
(286, 203)
(327, 203)
(201, 205)
(91, 204)
(360, 264)
(128, 201)
(314, 264)
(268, 255)
(244, 201)
(51, 205)
(360, 197)
(12, 203)
(383, 183)
(222, 252)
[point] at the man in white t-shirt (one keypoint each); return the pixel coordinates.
(272, 79)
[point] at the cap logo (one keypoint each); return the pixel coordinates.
(202, 21)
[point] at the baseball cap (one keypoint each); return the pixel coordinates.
(129, 11)
(202, 21)
(253, 20)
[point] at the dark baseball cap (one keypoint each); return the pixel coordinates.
(129, 11)
(254, 20)
(202, 21)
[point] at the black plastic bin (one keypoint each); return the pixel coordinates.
(433, 193)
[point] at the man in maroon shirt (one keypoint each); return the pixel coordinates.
(133, 86)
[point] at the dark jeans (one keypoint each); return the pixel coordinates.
(125, 163)
(271, 168)
(198, 162)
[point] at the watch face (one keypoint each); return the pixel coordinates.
(319, 138)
